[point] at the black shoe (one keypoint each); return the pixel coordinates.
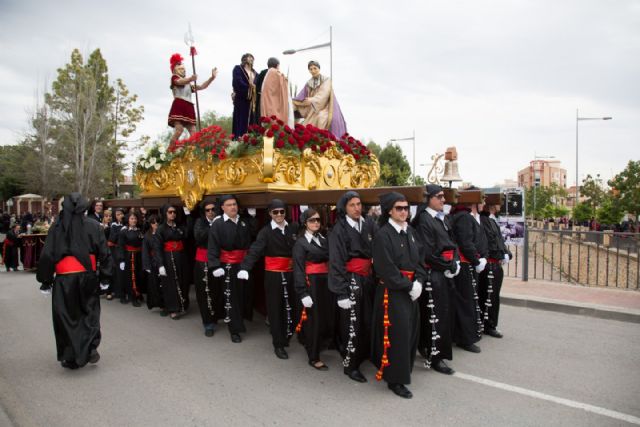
(355, 375)
(319, 365)
(441, 366)
(94, 356)
(493, 332)
(281, 353)
(69, 364)
(208, 332)
(123, 301)
(400, 390)
(470, 347)
(236, 338)
(136, 303)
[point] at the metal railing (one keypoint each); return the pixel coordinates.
(591, 258)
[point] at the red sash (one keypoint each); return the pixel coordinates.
(463, 258)
(408, 274)
(201, 255)
(494, 261)
(130, 248)
(278, 264)
(316, 267)
(70, 264)
(359, 266)
(111, 244)
(448, 255)
(233, 257)
(9, 242)
(173, 246)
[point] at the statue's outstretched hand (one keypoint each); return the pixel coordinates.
(214, 73)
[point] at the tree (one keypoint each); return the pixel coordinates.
(11, 173)
(626, 188)
(582, 213)
(610, 212)
(211, 118)
(592, 189)
(87, 115)
(394, 167)
(542, 202)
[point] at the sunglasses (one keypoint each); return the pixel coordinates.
(401, 208)
(278, 211)
(314, 219)
(209, 210)
(440, 196)
(171, 212)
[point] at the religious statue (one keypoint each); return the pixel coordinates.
(244, 95)
(317, 103)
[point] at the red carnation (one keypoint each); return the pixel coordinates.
(275, 127)
(280, 122)
(222, 155)
(280, 143)
(254, 141)
(269, 134)
(273, 118)
(264, 120)
(292, 140)
(245, 137)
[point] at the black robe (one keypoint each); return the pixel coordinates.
(10, 253)
(150, 267)
(470, 240)
(229, 236)
(209, 302)
(393, 252)
(435, 237)
(175, 287)
(117, 280)
(130, 252)
(490, 281)
(243, 101)
(345, 243)
(76, 296)
(318, 331)
(279, 290)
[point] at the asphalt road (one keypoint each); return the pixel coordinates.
(550, 369)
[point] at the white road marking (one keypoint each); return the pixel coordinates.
(559, 400)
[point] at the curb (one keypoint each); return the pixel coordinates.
(591, 310)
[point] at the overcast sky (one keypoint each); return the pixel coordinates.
(500, 80)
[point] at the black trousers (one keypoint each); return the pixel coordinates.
(363, 293)
(204, 292)
(491, 310)
(280, 309)
(465, 330)
(442, 294)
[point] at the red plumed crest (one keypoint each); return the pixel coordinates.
(175, 59)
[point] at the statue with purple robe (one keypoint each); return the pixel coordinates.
(317, 103)
(244, 95)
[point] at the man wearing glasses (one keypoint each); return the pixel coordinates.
(398, 265)
(442, 264)
(350, 278)
(229, 241)
(202, 276)
(275, 242)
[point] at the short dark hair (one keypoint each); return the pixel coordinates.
(243, 60)
(316, 63)
(273, 62)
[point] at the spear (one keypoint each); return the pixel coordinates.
(188, 39)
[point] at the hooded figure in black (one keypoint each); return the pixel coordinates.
(472, 246)
(170, 257)
(73, 251)
(208, 302)
(275, 242)
(350, 278)
(437, 304)
(229, 241)
(10, 248)
(400, 274)
(490, 282)
(310, 271)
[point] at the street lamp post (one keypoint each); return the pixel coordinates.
(318, 46)
(411, 138)
(578, 119)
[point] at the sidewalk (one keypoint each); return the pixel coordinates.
(605, 303)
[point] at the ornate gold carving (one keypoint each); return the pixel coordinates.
(190, 177)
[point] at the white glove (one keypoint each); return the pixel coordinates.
(122, 266)
(104, 286)
(186, 211)
(506, 259)
(415, 291)
(480, 267)
(344, 304)
(218, 272)
(457, 269)
(449, 275)
(148, 271)
(307, 301)
(252, 212)
(162, 271)
(242, 275)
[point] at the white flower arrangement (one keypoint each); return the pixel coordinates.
(154, 157)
